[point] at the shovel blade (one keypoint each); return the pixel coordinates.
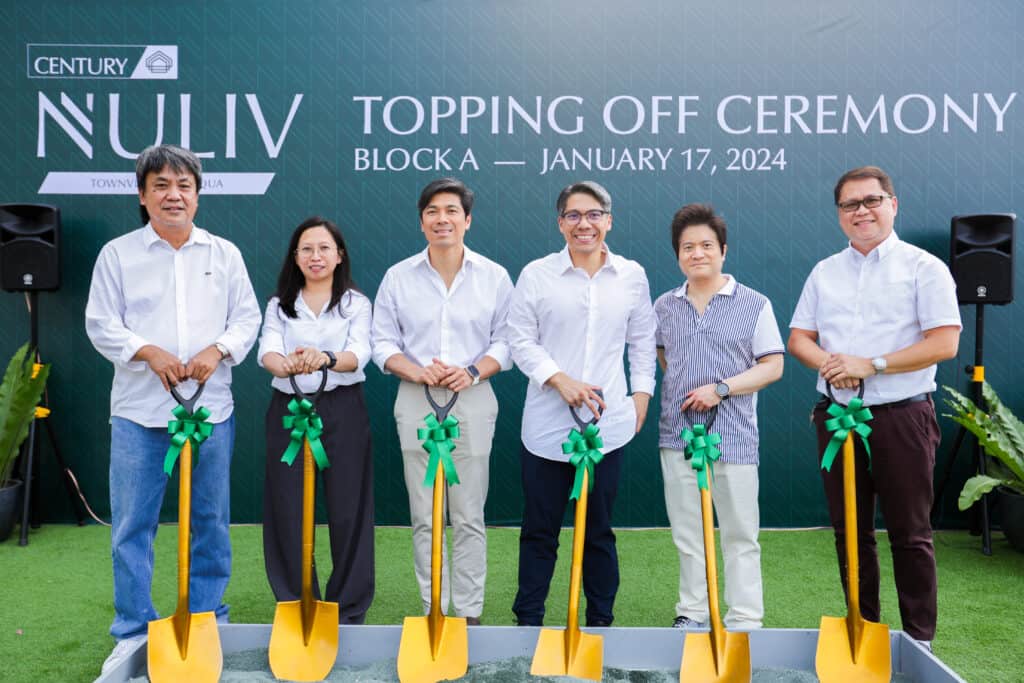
(203, 659)
(700, 664)
(835, 661)
(416, 661)
(552, 658)
(291, 656)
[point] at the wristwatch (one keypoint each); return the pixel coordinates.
(722, 389)
(224, 353)
(474, 373)
(332, 360)
(879, 364)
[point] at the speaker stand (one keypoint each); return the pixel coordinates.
(977, 374)
(31, 464)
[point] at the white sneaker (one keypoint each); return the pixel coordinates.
(121, 652)
(926, 644)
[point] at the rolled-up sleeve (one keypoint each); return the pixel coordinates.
(243, 321)
(272, 337)
(499, 348)
(386, 334)
(524, 334)
(104, 314)
(640, 337)
(358, 342)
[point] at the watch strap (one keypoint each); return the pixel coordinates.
(332, 360)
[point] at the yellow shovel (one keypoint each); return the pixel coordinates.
(851, 649)
(184, 646)
(718, 656)
(304, 637)
(434, 647)
(572, 652)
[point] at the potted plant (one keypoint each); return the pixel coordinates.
(20, 392)
(1001, 435)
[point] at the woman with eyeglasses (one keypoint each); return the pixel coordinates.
(317, 318)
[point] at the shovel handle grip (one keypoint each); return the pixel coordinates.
(188, 403)
(440, 411)
(315, 396)
(828, 390)
(580, 422)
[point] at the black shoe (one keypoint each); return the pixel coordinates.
(529, 622)
(472, 621)
(598, 623)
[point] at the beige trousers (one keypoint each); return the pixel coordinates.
(734, 491)
(465, 572)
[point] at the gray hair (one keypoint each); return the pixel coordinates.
(155, 158)
(585, 187)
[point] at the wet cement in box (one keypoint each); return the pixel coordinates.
(252, 666)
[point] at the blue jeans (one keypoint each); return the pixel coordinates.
(137, 484)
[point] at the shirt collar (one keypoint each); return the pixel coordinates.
(468, 257)
(728, 289)
(881, 251)
(197, 236)
(565, 261)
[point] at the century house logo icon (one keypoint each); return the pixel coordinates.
(159, 63)
(128, 62)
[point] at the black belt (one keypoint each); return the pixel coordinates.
(824, 401)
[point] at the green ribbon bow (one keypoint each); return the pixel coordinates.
(184, 428)
(701, 450)
(853, 416)
(584, 452)
(304, 423)
(437, 441)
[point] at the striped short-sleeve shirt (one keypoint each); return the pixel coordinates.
(737, 328)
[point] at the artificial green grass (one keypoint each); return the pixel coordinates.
(57, 606)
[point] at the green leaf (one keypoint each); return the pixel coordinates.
(19, 396)
(976, 487)
(999, 432)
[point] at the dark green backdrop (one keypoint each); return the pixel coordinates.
(781, 220)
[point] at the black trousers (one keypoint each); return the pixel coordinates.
(903, 442)
(546, 488)
(348, 493)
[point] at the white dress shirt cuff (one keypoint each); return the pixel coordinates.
(545, 371)
(362, 354)
(236, 350)
(642, 385)
(131, 347)
(499, 351)
(381, 352)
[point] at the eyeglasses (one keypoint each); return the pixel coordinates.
(322, 250)
(593, 216)
(872, 201)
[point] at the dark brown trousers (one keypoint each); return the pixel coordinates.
(903, 443)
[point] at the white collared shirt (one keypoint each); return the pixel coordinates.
(143, 291)
(876, 304)
(346, 327)
(416, 315)
(561, 319)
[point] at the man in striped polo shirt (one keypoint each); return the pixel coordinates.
(718, 345)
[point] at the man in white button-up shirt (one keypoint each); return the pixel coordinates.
(882, 312)
(440, 322)
(169, 304)
(572, 315)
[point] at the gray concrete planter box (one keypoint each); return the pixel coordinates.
(624, 648)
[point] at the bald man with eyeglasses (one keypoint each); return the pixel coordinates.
(882, 312)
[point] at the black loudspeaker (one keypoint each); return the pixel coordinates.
(981, 257)
(29, 247)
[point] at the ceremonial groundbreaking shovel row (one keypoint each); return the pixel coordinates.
(304, 638)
